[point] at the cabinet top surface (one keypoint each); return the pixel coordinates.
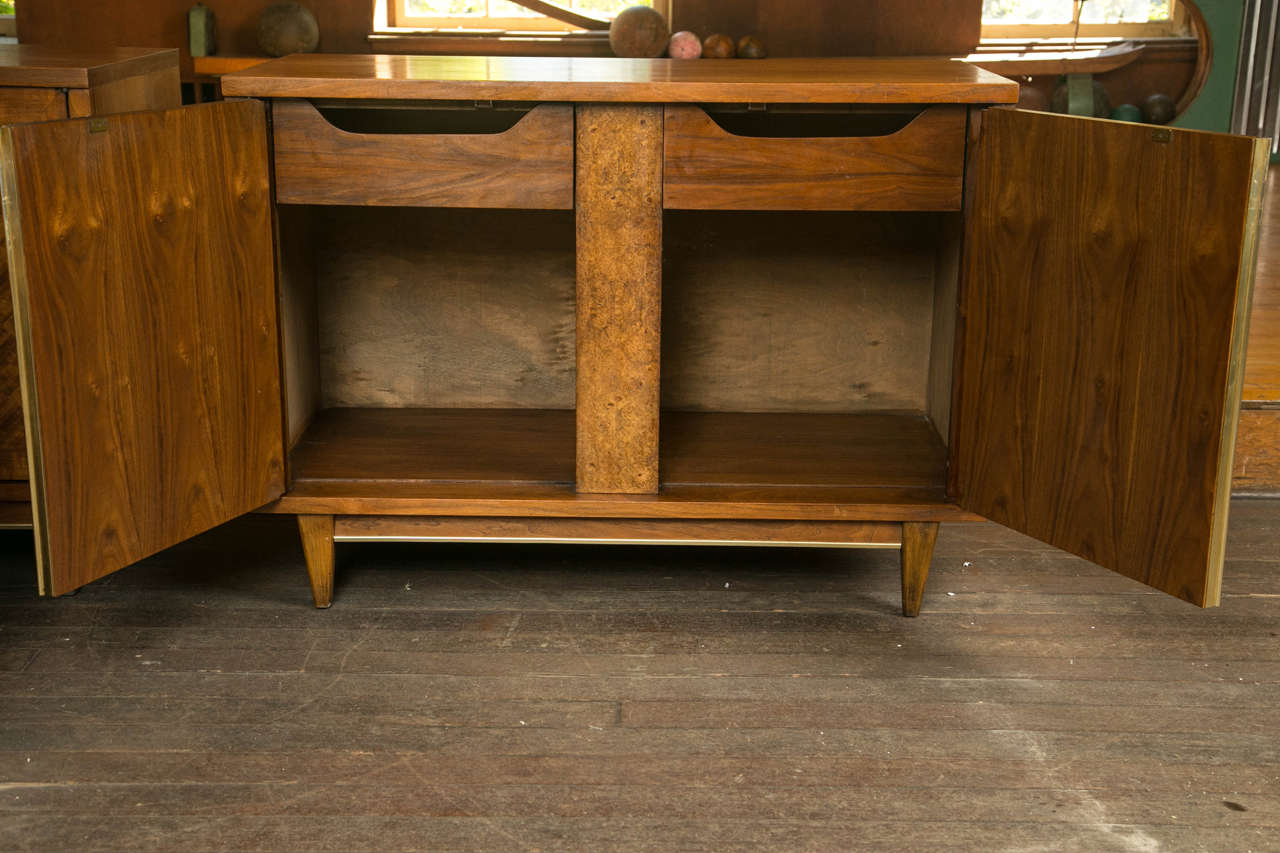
(34, 65)
(831, 80)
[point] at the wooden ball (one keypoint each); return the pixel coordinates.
(719, 46)
(751, 47)
(684, 45)
(1159, 109)
(1126, 112)
(639, 31)
(285, 28)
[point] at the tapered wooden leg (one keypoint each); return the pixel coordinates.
(917, 552)
(317, 546)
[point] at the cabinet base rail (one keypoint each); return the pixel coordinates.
(915, 540)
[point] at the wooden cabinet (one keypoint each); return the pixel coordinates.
(40, 84)
(796, 302)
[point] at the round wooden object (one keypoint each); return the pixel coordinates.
(1126, 112)
(285, 28)
(1159, 109)
(684, 45)
(718, 46)
(639, 31)
(751, 47)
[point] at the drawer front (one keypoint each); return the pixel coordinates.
(919, 166)
(529, 165)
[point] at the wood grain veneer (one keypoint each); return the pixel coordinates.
(316, 532)
(521, 462)
(619, 303)
(918, 167)
(801, 450)
(529, 166)
(17, 105)
(631, 531)
(918, 539)
(60, 68)
(147, 329)
(595, 79)
(1095, 408)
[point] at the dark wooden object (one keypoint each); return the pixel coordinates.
(619, 217)
(152, 387)
(919, 167)
(529, 166)
(618, 466)
(41, 84)
(1117, 380)
(832, 81)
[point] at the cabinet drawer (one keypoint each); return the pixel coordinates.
(916, 165)
(458, 162)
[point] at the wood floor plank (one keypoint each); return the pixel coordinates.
(466, 698)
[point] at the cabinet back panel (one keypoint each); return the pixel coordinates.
(816, 312)
(445, 309)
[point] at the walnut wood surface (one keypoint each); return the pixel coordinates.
(17, 105)
(594, 79)
(619, 303)
(1097, 363)
(528, 166)
(147, 329)
(316, 532)
(520, 462)
(867, 450)
(917, 554)
(53, 67)
(615, 530)
(367, 497)
(919, 167)
(493, 446)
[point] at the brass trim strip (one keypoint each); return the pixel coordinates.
(584, 540)
(26, 368)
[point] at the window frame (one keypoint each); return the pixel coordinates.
(399, 18)
(1178, 24)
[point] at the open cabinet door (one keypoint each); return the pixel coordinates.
(1103, 314)
(140, 251)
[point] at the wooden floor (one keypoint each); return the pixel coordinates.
(506, 698)
(1257, 459)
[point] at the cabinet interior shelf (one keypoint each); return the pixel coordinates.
(771, 454)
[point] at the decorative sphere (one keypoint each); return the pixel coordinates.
(1126, 112)
(751, 47)
(639, 31)
(719, 46)
(684, 45)
(1059, 103)
(1159, 109)
(285, 28)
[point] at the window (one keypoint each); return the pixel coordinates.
(1086, 18)
(503, 14)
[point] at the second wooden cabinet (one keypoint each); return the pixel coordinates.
(824, 303)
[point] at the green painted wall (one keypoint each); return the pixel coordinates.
(1212, 109)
